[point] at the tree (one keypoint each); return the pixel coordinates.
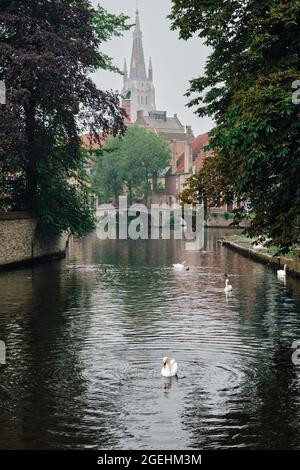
(107, 181)
(247, 88)
(131, 164)
(48, 51)
(207, 186)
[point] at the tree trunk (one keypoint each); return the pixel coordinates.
(154, 182)
(130, 195)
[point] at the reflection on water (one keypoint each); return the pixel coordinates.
(84, 350)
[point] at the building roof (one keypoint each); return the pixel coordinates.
(164, 172)
(91, 142)
(200, 142)
(160, 120)
(181, 137)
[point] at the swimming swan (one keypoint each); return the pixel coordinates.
(170, 367)
(281, 274)
(260, 247)
(179, 265)
(228, 287)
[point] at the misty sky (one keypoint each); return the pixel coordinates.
(175, 62)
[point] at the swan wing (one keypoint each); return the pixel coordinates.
(281, 273)
(174, 367)
(178, 266)
(228, 289)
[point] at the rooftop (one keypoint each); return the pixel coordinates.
(200, 142)
(160, 120)
(90, 142)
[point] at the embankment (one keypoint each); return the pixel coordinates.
(276, 262)
(21, 245)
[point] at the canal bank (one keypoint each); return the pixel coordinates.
(243, 246)
(21, 245)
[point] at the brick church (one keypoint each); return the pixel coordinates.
(138, 99)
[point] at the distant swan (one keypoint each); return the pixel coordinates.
(170, 367)
(260, 247)
(228, 287)
(179, 265)
(281, 273)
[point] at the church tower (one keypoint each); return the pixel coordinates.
(138, 85)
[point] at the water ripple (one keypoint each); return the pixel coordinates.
(84, 350)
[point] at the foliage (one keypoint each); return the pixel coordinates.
(106, 26)
(107, 181)
(47, 52)
(247, 89)
(64, 206)
(130, 164)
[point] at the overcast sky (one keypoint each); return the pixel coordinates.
(175, 62)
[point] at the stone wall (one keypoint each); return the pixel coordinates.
(219, 221)
(277, 262)
(19, 243)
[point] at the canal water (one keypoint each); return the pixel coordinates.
(85, 347)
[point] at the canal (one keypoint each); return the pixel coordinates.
(84, 350)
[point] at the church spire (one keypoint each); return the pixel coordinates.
(125, 71)
(138, 88)
(137, 68)
(150, 71)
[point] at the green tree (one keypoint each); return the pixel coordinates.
(131, 164)
(247, 89)
(207, 186)
(107, 181)
(48, 51)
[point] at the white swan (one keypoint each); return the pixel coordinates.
(170, 367)
(228, 287)
(179, 265)
(281, 273)
(260, 247)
